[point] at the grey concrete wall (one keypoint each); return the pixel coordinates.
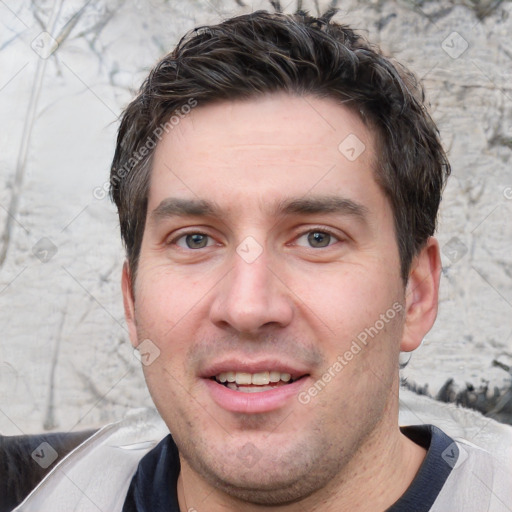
(66, 71)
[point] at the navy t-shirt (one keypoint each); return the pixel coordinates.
(153, 486)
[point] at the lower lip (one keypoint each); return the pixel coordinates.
(253, 403)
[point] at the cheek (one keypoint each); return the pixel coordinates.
(170, 310)
(350, 299)
(163, 298)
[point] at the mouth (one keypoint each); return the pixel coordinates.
(255, 382)
(242, 385)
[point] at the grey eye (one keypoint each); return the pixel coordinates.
(196, 241)
(319, 239)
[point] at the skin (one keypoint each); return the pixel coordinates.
(342, 450)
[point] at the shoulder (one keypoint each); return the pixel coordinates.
(478, 481)
(482, 471)
(457, 422)
(98, 472)
(27, 459)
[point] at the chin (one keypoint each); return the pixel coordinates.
(275, 497)
(262, 490)
(293, 477)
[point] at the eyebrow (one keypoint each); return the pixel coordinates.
(177, 207)
(323, 204)
(174, 207)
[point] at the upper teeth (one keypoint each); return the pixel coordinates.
(260, 378)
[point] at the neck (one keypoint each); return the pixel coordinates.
(378, 474)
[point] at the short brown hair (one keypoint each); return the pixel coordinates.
(258, 53)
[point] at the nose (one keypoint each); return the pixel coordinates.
(251, 297)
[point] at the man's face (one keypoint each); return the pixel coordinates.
(268, 250)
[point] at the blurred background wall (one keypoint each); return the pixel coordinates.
(67, 69)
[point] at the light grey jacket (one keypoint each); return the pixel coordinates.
(95, 476)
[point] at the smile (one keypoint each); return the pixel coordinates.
(253, 382)
(255, 393)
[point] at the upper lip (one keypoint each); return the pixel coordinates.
(237, 364)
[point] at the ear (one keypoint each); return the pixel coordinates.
(129, 303)
(421, 295)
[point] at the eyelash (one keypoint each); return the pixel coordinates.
(318, 229)
(188, 233)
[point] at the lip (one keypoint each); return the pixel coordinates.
(262, 401)
(253, 403)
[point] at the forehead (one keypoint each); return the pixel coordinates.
(264, 149)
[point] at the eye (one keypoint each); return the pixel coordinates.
(317, 239)
(194, 241)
